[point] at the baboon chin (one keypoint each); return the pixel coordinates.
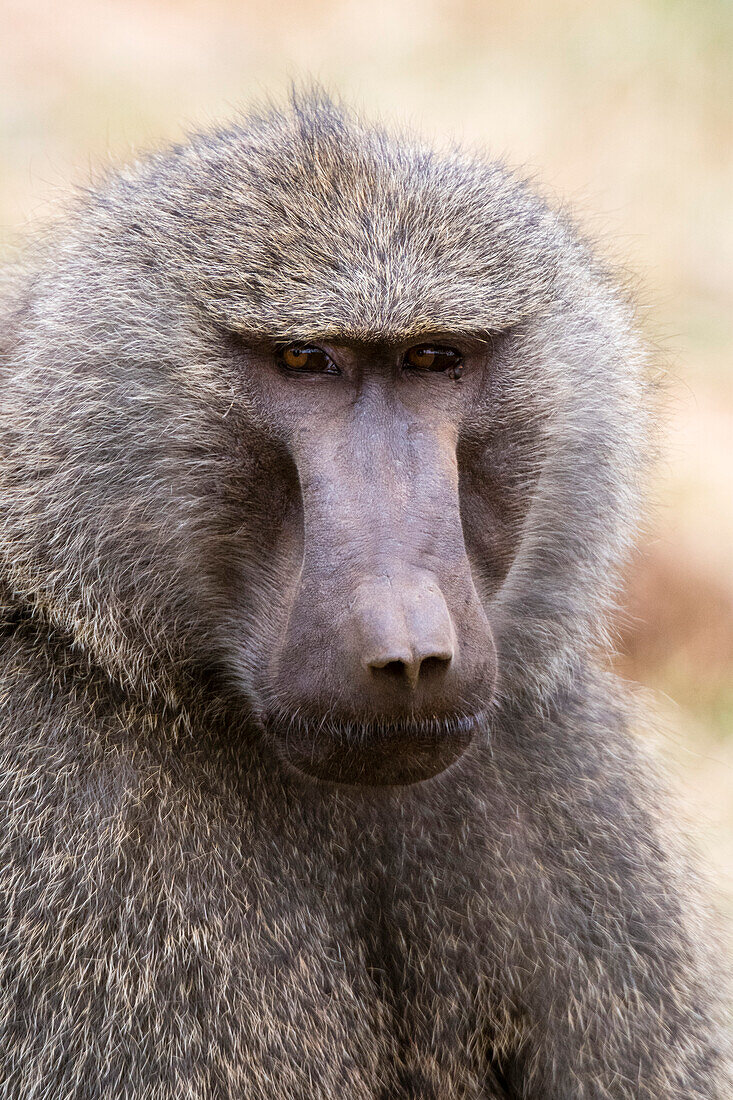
(319, 462)
(373, 754)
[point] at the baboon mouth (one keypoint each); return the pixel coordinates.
(373, 754)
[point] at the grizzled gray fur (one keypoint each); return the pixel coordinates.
(184, 914)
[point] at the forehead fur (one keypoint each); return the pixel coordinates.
(306, 222)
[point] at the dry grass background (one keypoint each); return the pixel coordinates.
(625, 111)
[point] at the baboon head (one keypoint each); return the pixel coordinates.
(341, 416)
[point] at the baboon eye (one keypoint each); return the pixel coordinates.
(307, 360)
(432, 357)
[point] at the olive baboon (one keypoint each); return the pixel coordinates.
(320, 455)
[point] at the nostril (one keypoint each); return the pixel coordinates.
(394, 669)
(432, 665)
(412, 670)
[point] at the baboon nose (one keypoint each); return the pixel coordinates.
(406, 633)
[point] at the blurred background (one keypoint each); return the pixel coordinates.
(623, 111)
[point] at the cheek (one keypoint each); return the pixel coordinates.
(257, 550)
(494, 493)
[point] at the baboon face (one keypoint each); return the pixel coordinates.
(380, 656)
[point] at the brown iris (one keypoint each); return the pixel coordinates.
(311, 360)
(432, 357)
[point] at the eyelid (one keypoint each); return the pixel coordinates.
(451, 356)
(313, 350)
(444, 349)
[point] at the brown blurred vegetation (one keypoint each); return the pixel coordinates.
(624, 111)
